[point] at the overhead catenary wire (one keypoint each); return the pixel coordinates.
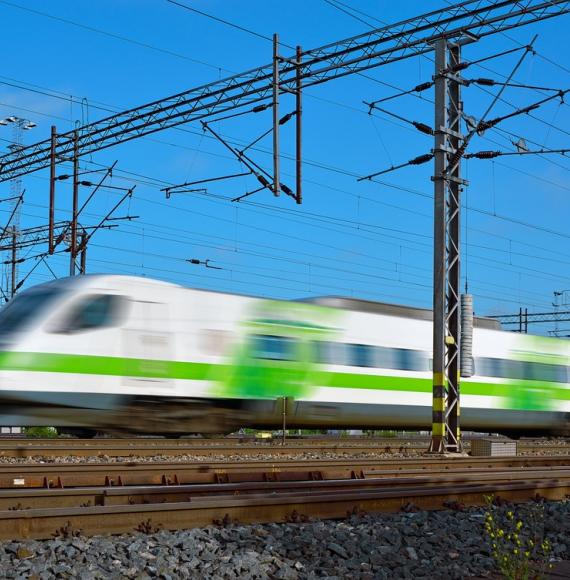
(498, 262)
(112, 35)
(515, 221)
(493, 154)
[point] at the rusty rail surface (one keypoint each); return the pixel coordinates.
(66, 475)
(41, 513)
(292, 482)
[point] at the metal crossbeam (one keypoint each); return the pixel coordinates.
(463, 23)
(533, 317)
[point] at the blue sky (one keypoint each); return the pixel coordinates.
(361, 239)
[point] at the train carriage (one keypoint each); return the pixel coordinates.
(121, 353)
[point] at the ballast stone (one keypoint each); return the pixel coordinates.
(415, 545)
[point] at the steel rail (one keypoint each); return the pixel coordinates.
(15, 499)
(465, 22)
(28, 498)
(36, 475)
(267, 506)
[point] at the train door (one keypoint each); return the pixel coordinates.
(147, 345)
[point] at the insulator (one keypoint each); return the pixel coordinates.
(484, 81)
(259, 108)
(287, 190)
(486, 154)
(423, 87)
(466, 343)
(86, 183)
(421, 159)
(194, 261)
(262, 180)
(484, 125)
(286, 118)
(62, 177)
(423, 128)
(457, 156)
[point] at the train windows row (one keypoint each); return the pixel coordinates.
(522, 370)
(274, 347)
(365, 355)
(346, 354)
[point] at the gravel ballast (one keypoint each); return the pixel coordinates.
(443, 544)
(261, 455)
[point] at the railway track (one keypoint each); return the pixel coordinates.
(37, 475)
(37, 501)
(148, 447)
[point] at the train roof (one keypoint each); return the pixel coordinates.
(389, 309)
(87, 280)
(354, 304)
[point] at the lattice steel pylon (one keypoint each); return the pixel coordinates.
(19, 125)
(446, 435)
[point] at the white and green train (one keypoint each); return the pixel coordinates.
(109, 353)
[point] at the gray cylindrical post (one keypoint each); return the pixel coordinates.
(466, 356)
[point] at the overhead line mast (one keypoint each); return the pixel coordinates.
(446, 257)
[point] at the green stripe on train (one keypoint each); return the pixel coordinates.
(522, 394)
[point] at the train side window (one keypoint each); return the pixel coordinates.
(552, 373)
(327, 352)
(23, 308)
(490, 367)
(323, 352)
(545, 372)
(384, 357)
(512, 369)
(409, 360)
(93, 312)
(270, 347)
(361, 355)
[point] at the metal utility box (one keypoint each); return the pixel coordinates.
(493, 448)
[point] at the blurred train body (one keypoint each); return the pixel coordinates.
(120, 353)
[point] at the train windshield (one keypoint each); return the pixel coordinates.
(22, 309)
